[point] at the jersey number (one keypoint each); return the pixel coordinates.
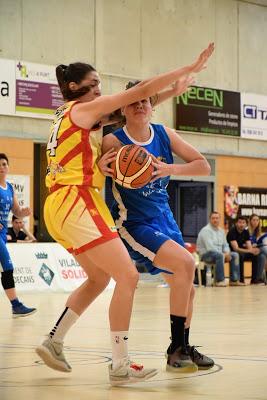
(52, 143)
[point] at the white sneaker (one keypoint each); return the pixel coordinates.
(51, 353)
(129, 372)
(220, 284)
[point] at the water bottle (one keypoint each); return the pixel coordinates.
(208, 276)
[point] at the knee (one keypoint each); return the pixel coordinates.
(129, 280)
(7, 280)
(218, 256)
(189, 267)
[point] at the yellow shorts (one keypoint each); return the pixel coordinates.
(78, 218)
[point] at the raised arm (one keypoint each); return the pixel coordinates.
(179, 87)
(86, 114)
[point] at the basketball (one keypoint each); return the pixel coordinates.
(132, 167)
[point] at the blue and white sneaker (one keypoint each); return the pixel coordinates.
(22, 311)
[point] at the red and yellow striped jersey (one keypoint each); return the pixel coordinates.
(73, 152)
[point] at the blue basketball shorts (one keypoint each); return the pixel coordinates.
(143, 239)
(5, 260)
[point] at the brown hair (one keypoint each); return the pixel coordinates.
(75, 72)
(153, 99)
(4, 157)
(214, 212)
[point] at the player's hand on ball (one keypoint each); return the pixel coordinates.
(105, 161)
(161, 169)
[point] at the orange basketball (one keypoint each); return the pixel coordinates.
(132, 167)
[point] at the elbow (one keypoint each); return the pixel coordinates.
(205, 168)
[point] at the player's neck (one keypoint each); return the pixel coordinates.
(3, 182)
(138, 131)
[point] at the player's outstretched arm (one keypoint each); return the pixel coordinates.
(89, 112)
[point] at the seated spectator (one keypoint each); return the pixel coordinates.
(214, 249)
(257, 237)
(239, 240)
(18, 233)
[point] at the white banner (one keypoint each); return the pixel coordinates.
(253, 116)
(45, 267)
(28, 89)
(7, 87)
(22, 189)
(37, 91)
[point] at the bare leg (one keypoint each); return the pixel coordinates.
(84, 295)
(178, 260)
(11, 294)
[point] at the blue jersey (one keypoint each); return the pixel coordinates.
(150, 201)
(6, 204)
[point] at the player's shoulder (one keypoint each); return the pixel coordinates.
(10, 187)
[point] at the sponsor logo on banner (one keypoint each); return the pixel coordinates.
(71, 269)
(209, 110)
(48, 267)
(21, 186)
(46, 274)
(254, 116)
(41, 255)
(7, 87)
(243, 201)
(24, 276)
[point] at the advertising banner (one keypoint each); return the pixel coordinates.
(34, 267)
(28, 89)
(244, 201)
(45, 267)
(7, 87)
(22, 189)
(253, 116)
(37, 91)
(209, 110)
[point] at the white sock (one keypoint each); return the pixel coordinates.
(119, 346)
(63, 325)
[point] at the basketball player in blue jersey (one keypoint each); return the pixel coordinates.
(147, 226)
(9, 202)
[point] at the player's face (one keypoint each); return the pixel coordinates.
(3, 168)
(138, 112)
(91, 79)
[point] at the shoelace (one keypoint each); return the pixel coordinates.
(196, 353)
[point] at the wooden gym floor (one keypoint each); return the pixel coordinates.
(230, 324)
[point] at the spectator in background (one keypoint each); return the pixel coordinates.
(239, 240)
(214, 249)
(257, 237)
(18, 232)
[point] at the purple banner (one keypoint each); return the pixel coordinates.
(38, 95)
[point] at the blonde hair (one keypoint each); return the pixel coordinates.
(257, 231)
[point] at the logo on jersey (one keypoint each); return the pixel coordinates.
(54, 168)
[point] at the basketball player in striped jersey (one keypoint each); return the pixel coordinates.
(77, 217)
(147, 226)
